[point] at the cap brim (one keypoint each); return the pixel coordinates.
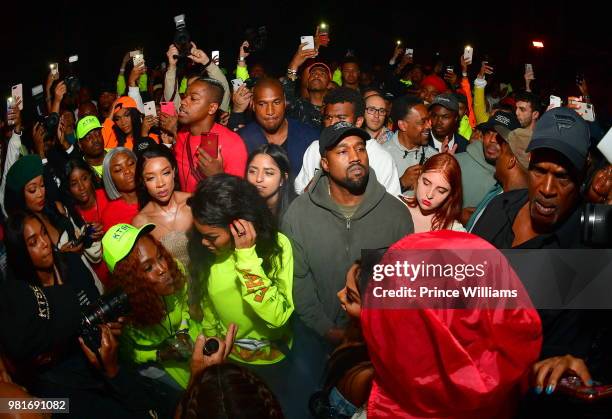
(554, 144)
(83, 135)
(503, 131)
(348, 133)
(147, 228)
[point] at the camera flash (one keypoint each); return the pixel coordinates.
(398, 42)
(323, 25)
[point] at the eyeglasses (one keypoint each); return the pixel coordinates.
(372, 111)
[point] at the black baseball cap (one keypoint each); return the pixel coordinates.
(563, 130)
(502, 122)
(333, 134)
(447, 100)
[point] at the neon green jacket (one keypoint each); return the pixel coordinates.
(465, 130)
(242, 73)
(239, 291)
(337, 76)
(140, 344)
(122, 84)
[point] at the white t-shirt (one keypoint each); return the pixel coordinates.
(380, 160)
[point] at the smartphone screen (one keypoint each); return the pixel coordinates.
(138, 60)
(409, 51)
(215, 56)
(210, 144)
(309, 40)
(168, 108)
(73, 58)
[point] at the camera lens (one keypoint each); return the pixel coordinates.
(210, 347)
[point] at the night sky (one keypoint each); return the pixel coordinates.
(101, 32)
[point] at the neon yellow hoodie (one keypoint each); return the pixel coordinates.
(140, 344)
(239, 291)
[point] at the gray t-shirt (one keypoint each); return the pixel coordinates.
(405, 158)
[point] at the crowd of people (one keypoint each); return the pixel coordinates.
(188, 244)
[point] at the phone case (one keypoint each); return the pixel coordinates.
(236, 83)
(149, 109)
(468, 54)
(17, 91)
(168, 108)
(138, 60)
(555, 101)
(309, 42)
(573, 386)
(210, 144)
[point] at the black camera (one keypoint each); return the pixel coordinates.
(251, 82)
(596, 225)
(73, 85)
(257, 39)
(50, 121)
(108, 308)
(182, 40)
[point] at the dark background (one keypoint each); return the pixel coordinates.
(575, 38)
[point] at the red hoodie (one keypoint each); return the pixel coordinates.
(451, 363)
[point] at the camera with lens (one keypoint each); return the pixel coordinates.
(108, 308)
(182, 40)
(596, 225)
(257, 39)
(50, 121)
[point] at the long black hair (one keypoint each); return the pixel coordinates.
(286, 192)
(67, 199)
(14, 202)
(18, 257)
(151, 152)
(218, 201)
(136, 128)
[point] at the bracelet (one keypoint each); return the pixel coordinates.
(241, 59)
(464, 74)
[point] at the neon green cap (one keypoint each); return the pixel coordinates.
(85, 125)
(119, 240)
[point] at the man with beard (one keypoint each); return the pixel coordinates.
(547, 215)
(344, 211)
(89, 135)
(271, 126)
(197, 116)
(346, 105)
(478, 163)
(408, 146)
(444, 114)
(306, 109)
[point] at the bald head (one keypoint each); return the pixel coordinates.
(269, 104)
(268, 83)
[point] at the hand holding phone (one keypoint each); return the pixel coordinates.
(573, 386)
(10, 103)
(215, 57)
(236, 83)
(409, 52)
(555, 102)
(138, 59)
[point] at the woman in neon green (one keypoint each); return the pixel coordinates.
(156, 334)
(243, 274)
